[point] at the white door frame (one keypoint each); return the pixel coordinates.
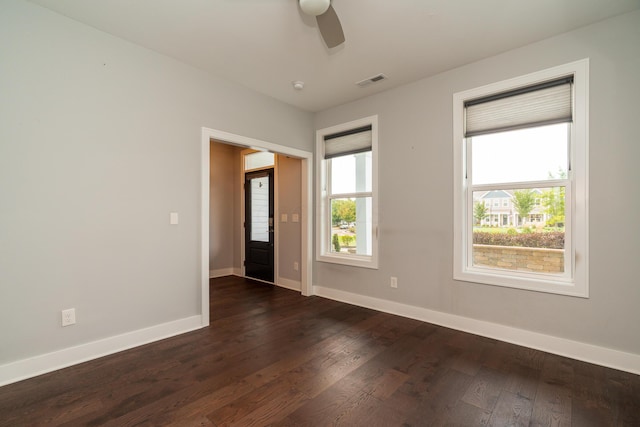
(306, 210)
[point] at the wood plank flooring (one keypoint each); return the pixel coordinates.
(273, 357)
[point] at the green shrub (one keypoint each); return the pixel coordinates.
(512, 231)
(346, 239)
(551, 240)
(335, 242)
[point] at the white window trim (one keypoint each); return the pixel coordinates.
(323, 214)
(576, 283)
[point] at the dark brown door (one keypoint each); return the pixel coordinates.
(258, 190)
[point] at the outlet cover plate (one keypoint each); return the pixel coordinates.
(68, 317)
(394, 282)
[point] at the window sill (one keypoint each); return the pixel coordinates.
(350, 260)
(546, 283)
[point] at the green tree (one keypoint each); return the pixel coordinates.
(553, 201)
(479, 211)
(524, 201)
(343, 210)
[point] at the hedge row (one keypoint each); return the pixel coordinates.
(549, 240)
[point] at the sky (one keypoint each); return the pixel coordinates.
(521, 155)
(343, 173)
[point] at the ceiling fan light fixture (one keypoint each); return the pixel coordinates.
(314, 7)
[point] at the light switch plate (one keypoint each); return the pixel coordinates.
(284, 218)
(173, 218)
(295, 217)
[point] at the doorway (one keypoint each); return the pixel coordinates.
(305, 159)
(259, 225)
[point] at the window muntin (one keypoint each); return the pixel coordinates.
(347, 205)
(520, 240)
(351, 217)
(568, 178)
(527, 155)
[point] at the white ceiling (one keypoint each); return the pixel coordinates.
(267, 44)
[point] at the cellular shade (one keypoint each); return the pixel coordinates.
(348, 142)
(537, 105)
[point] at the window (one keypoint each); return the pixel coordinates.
(258, 160)
(536, 218)
(347, 193)
(525, 137)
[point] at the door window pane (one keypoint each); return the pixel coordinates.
(260, 209)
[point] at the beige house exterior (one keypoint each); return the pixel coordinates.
(502, 213)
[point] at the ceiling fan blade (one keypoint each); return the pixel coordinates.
(330, 28)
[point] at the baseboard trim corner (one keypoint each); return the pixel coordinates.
(590, 353)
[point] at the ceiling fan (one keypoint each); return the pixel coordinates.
(327, 19)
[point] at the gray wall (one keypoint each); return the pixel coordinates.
(224, 207)
(416, 193)
(289, 202)
(99, 142)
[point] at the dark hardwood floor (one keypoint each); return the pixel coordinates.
(273, 357)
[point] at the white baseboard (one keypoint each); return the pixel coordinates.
(294, 285)
(34, 366)
(223, 272)
(573, 349)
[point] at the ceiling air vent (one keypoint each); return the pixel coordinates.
(370, 80)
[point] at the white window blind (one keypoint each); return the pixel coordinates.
(541, 104)
(348, 142)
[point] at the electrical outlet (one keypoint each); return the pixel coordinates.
(296, 266)
(68, 317)
(394, 282)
